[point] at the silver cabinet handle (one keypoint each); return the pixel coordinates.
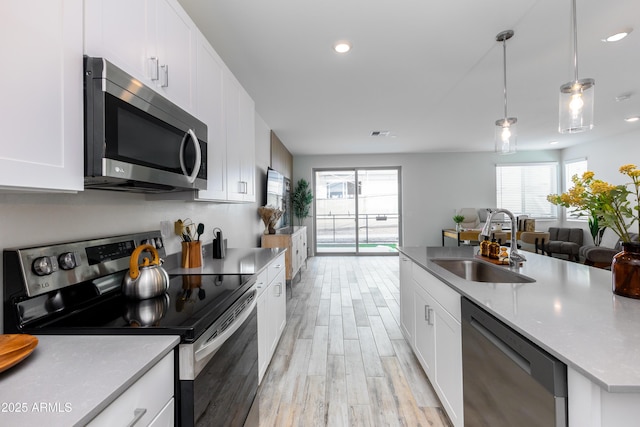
(426, 313)
(164, 81)
(137, 416)
(190, 134)
(153, 68)
(259, 285)
(244, 187)
(279, 286)
(430, 316)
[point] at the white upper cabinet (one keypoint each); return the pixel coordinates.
(41, 102)
(157, 42)
(153, 40)
(240, 125)
(210, 109)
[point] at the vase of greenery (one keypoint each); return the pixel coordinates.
(301, 199)
(458, 220)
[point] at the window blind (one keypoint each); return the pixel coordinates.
(523, 188)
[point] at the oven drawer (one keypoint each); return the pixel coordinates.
(144, 400)
(275, 267)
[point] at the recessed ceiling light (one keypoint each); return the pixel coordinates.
(342, 47)
(617, 36)
(632, 119)
(553, 142)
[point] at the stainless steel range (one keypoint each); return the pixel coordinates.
(75, 288)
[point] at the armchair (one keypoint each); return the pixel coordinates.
(602, 256)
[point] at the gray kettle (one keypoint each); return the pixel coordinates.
(147, 280)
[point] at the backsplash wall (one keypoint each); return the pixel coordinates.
(34, 219)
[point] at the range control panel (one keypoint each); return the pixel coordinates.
(47, 268)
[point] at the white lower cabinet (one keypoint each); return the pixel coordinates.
(149, 400)
(437, 334)
(272, 311)
(406, 298)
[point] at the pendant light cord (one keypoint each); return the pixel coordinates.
(575, 42)
(504, 54)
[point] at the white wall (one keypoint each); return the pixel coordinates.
(433, 185)
(27, 219)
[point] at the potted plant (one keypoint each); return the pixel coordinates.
(301, 199)
(458, 219)
(616, 207)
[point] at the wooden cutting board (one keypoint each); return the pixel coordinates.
(14, 348)
(492, 261)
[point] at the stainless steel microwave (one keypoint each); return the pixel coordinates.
(135, 139)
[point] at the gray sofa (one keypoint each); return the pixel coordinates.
(565, 241)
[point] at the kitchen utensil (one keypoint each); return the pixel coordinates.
(14, 348)
(218, 244)
(146, 280)
(191, 254)
(200, 230)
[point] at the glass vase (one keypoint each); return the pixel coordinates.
(625, 269)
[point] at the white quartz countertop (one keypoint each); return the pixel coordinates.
(68, 380)
(236, 261)
(570, 311)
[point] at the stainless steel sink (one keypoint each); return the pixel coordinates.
(479, 271)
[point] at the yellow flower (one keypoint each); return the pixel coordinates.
(587, 175)
(601, 187)
(626, 169)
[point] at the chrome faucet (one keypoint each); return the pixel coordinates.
(514, 256)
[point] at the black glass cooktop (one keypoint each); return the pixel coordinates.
(190, 305)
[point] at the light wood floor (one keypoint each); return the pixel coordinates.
(342, 360)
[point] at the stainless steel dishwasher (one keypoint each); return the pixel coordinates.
(507, 380)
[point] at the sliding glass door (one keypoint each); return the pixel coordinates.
(357, 210)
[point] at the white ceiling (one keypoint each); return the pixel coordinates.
(430, 72)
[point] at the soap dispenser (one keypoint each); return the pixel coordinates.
(484, 246)
(494, 249)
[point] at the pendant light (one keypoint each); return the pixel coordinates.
(576, 97)
(506, 128)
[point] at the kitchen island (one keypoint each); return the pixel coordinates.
(69, 380)
(571, 312)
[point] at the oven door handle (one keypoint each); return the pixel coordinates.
(196, 167)
(210, 347)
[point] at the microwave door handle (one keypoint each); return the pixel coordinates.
(196, 168)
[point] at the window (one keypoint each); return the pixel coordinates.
(523, 188)
(571, 168)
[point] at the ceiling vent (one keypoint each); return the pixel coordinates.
(380, 133)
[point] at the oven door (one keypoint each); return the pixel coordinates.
(219, 372)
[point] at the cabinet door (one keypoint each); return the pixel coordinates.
(425, 330)
(247, 136)
(263, 333)
(124, 32)
(176, 35)
(231, 90)
(448, 373)
(406, 299)
(278, 308)
(41, 103)
(209, 75)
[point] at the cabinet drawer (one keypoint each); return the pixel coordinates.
(276, 266)
(446, 297)
(262, 282)
(166, 416)
(149, 394)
